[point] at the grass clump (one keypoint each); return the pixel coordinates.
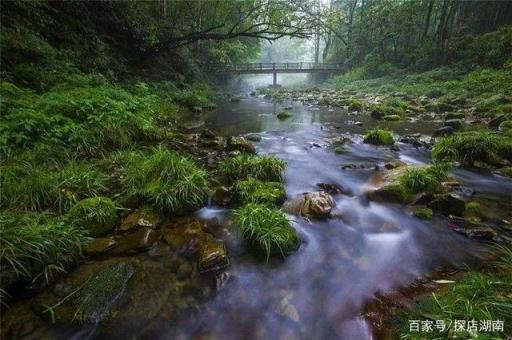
(96, 214)
(35, 247)
(267, 229)
(263, 168)
(167, 180)
(379, 137)
(28, 186)
(284, 114)
(355, 104)
(471, 147)
(254, 191)
(424, 179)
(475, 296)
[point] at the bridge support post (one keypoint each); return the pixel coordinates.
(275, 78)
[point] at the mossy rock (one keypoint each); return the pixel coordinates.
(456, 124)
(240, 144)
(422, 212)
(506, 125)
(98, 215)
(449, 204)
(339, 150)
(255, 191)
(391, 118)
(379, 137)
(394, 193)
(355, 104)
(454, 115)
(284, 114)
(90, 302)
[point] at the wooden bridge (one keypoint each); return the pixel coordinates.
(275, 68)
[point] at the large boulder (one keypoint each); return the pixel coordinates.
(315, 204)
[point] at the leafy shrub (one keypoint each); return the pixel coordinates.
(424, 179)
(254, 191)
(378, 137)
(267, 229)
(97, 215)
(470, 147)
(35, 247)
(263, 168)
(169, 181)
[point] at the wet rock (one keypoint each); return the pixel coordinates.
(93, 300)
(336, 214)
(449, 204)
(212, 255)
(316, 204)
(183, 235)
(444, 131)
(422, 212)
(144, 218)
(253, 137)
(139, 240)
(454, 115)
(471, 229)
(100, 246)
(496, 121)
(456, 124)
(240, 144)
(197, 109)
(194, 124)
(159, 250)
(393, 164)
(330, 188)
(222, 196)
(184, 270)
(393, 193)
(207, 134)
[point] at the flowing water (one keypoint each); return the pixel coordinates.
(320, 291)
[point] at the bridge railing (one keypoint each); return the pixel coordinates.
(278, 66)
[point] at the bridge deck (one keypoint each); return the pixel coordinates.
(300, 67)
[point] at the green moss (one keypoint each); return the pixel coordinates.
(378, 137)
(263, 168)
(506, 125)
(391, 118)
(284, 114)
(267, 229)
(424, 179)
(507, 171)
(255, 191)
(36, 247)
(165, 179)
(381, 110)
(355, 104)
(340, 150)
(394, 192)
(97, 215)
(423, 213)
(471, 147)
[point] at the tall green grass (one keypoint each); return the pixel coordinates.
(263, 168)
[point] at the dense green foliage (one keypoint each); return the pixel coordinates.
(267, 229)
(471, 147)
(97, 215)
(165, 179)
(378, 137)
(254, 191)
(263, 168)
(35, 247)
(474, 296)
(424, 179)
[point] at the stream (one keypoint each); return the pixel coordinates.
(320, 291)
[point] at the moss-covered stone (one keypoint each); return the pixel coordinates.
(394, 193)
(422, 212)
(355, 104)
(391, 118)
(284, 114)
(96, 214)
(240, 144)
(449, 204)
(379, 137)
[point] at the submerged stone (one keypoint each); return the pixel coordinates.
(222, 196)
(100, 246)
(140, 240)
(140, 219)
(456, 124)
